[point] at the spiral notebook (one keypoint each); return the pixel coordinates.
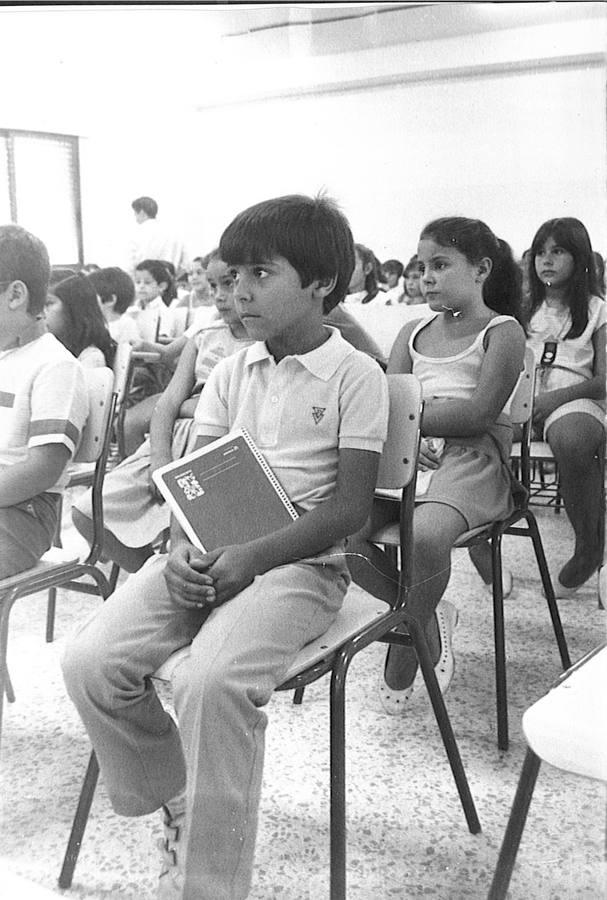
(225, 493)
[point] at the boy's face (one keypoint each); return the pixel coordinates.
(272, 303)
(198, 277)
(146, 286)
(221, 287)
(391, 278)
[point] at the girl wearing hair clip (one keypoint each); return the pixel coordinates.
(468, 356)
(567, 335)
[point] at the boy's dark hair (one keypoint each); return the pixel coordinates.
(394, 266)
(571, 235)
(311, 233)
(84, 325)
(113, 282)
(146, 205)
(502, 290)
(161, 271)
(23, 257)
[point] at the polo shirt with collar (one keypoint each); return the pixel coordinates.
(300, 411)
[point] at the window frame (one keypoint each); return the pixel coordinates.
(8, 135)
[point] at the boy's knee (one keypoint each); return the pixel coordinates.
(83, 665)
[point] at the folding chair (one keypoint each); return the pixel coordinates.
(362, 620)
(58, 567)
(566, 728)
(83, 473)
(520, 413)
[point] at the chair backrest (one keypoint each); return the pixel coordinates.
(100, 386)
(521, 405)
(399, 458)
(121, 368)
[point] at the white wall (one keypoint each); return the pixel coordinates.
(507, 125)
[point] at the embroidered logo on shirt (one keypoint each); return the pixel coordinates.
(317, 413)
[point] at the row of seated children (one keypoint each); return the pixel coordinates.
(388, 283)
(247, 610)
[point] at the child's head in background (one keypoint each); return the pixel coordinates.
(221, 289)
(153, 279)
(198, 278)
(114, 288)
(562, 260)
(474, 240)
(24, 276)
(366, 273)
(412, 275)
(392, 271)
(74, 316)
(310, 233)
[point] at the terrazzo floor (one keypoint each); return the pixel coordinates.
(407, 836)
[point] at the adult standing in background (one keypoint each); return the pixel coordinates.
(151, 241)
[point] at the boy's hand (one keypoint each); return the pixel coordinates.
(232, 569)
(186, 577)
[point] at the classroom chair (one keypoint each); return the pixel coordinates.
(82, 473)
(520, 414)
(566, 728)
(58, 567)
(362, 620)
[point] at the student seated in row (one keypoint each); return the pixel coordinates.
(134, 514)
(318, 409)
(392, 273)
(74, 316)
(43, 405)
(116, 293)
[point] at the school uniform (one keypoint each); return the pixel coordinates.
(300, 412)
(43, 400)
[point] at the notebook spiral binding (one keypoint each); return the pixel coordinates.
(269, 473)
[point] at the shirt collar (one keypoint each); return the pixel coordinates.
(322, 362)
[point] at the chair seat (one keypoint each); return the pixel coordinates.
(53, 563)
(568, 727)
(359, 609)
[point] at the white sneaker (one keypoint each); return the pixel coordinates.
(447, 618)
(170, 881)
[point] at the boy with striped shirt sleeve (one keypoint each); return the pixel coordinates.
(43, 405)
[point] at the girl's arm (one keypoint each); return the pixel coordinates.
(592, 389)
(166, 410)
(168, 352)
(400, 362)
(500, 370)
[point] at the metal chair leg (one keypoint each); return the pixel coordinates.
(338, 780)
(514, 829)
(80, 819)
(444, 723)
(499, 635)
(8, 686)
(298, 694)
(548, 590)
(51, 605)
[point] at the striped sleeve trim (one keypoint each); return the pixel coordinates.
(6, 399)
(54, 427)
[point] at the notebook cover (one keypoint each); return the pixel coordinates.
(225, 493)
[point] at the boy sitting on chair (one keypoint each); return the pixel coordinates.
(317, 409)
(43, 405)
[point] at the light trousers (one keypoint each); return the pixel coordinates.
(240, 653)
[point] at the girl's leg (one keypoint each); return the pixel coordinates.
(130, 559)
(575, 440)
(137, 423)
(436, 526)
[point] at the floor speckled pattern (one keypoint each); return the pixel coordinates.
(407, 836)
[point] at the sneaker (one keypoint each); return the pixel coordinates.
(170, 882)
(447, 618)
(393, 701)
(507, 584)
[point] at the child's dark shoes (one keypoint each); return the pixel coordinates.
(393, 701)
